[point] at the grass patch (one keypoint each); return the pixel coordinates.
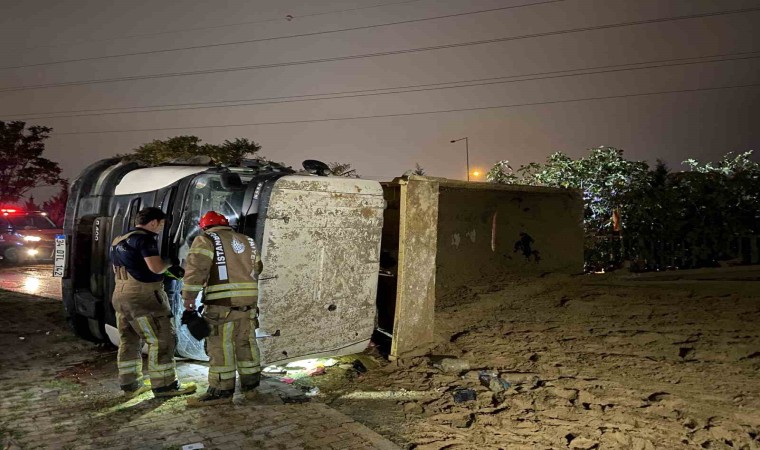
(62, 386)
(6, 432)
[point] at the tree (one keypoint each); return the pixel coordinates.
(604, 177)
(56, 206)
(22, 166)
(342, 170)
(682, 219)
(418, 170)
(31, 205)
(190, 147)
(501, 173)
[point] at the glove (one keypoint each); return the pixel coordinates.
(196, 324)
(175, 272)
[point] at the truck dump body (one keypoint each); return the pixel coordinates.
(320, 251)
(319, 239)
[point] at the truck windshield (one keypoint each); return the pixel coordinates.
(207, 194)
(31, 222)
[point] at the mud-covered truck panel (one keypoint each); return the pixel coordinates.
(321, 244)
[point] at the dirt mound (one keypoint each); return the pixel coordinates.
(582, 363)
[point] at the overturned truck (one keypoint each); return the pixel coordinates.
(319, 238)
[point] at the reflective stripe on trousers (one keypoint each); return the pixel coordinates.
(232, 346)
(156, 370)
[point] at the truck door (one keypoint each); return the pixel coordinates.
(320, 250)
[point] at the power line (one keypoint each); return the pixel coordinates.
(372, 55)
(184, 30)
(380, 116)
(275, 38)
(398, 90)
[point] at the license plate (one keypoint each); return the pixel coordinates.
(59, 257)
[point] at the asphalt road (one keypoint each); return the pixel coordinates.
(31, 279)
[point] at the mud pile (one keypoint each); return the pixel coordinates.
(580, 363)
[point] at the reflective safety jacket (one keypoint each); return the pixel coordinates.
(224, 265)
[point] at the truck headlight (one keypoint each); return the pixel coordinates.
(32, 238)
(32, 252)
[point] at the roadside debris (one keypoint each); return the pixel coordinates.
(274, 370)
(331, 362)
(359, 366)
(492, 381)
(317, 371)
(462, 395)
(194, 446)
(294, 399)
(450, 365)
(400, 395)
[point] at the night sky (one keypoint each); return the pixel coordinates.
(709, 57)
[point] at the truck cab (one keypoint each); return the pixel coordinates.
(26, 236)
(319, 238)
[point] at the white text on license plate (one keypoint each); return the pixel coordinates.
(59, 258)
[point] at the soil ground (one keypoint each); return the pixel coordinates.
(667, 360)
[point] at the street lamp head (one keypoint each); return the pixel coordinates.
(453, 142)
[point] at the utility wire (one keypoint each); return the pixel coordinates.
(236, 24)
(396, 90)
(443, 111)
(275, 38)
(372, 55)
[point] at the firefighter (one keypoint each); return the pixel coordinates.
(225, 265)
(142, 309)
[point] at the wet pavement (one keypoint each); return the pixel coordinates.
(62, 392)
(30, 279)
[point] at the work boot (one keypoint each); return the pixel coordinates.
(210, 398)
(251, 394)
(174, 390)
(248, 384)
(135, 389)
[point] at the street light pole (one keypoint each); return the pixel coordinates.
(467, 152)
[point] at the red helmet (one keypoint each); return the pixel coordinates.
(212, 219)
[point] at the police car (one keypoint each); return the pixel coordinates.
(26, 236)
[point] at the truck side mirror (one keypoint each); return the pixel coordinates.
(232, 182)
(316, 167)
